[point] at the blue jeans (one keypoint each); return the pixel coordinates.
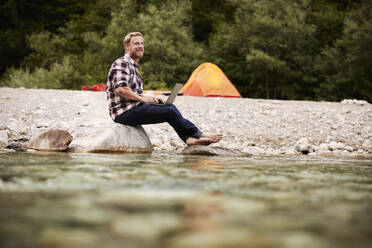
(146, 113)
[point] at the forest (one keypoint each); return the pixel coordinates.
(276, 49)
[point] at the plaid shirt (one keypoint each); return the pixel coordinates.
(123, 72)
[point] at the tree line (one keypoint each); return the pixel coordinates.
(278, 49)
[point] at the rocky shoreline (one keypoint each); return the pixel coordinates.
(252, 126)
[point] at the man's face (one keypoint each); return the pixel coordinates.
(135, 47)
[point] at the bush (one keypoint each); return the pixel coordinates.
(61, 75)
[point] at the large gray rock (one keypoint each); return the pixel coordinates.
(3, 139)
(50, 140)
(110, 138)
(213, 151)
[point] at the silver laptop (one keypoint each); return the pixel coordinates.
(172, 95)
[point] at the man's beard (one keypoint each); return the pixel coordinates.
(137, 54)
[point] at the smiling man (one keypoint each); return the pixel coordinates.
(128, 105)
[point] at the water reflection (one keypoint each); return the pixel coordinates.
(170, 200)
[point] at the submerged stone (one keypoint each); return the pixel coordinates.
(212, 151)
(146, 226)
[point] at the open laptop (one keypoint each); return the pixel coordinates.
(172, 95)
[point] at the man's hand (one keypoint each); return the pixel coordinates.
(127, 93)
(152, 99)
(159, 99)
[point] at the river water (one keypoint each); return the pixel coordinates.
(171, 200)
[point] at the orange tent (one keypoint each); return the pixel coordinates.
(209, 80)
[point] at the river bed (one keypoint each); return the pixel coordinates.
(171, 200)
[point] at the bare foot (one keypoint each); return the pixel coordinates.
(213, 137)
(201, 141)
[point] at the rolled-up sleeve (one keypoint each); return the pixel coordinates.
(120, 75)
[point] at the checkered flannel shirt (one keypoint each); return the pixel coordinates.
(123, 72)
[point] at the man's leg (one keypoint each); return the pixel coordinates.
(200, 138)
(152, 114)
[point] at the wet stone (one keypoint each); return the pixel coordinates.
(19, 147)
(67, 237)
(213, 151)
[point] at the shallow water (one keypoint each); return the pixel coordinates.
(169, 200)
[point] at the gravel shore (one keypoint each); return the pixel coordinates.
(255, 126)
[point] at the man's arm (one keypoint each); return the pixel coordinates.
(128, 94)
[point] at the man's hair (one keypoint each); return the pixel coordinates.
(129, 36)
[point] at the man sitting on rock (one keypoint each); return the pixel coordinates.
(129, 106)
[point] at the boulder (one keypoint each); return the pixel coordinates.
(50, 140)
(113, 138)
(212, 151)
(3, 139)
(303, 145)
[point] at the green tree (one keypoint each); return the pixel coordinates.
(328, 18)
(20, 18)
(266, 51)
(207, 14)
(170, 52)
(347, 66)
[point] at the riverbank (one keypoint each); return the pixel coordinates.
(255, 126)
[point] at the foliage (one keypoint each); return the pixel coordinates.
(19, 18)
(170, 54)
(59, 76)
(207, 14)
(267, 48)
(347, 66)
